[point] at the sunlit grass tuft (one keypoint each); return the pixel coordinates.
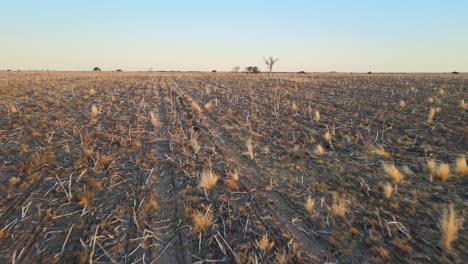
(319, 151)
(208, 179)
(431, 115)
(388, 190)
(460, 166)
(317, 116)
(449, 228)
(264, 243)
(393, 172)
(443, 171)
(202, 221)
(309, 205)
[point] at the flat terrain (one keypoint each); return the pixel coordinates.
(107, 167)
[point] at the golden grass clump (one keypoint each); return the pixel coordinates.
(202, 221)
(208, 105)
(393, 172)
(235, 176)
(402, 104)
(432, 168)
(381, 152)
(151, 205)
(196, 107)
(264, 243)
(463, 105)
(84, 198)
(154, 120)
(250, 149)
(431, 115)
(319, 151)
(94, 111)
(443, 171)
(12, 108)
(339, 207)
(460, 166)
(430, 100)
(92, 92)
(194, 144)
(388, 190)
(449, 228)
(13, 182)
(441, 92)
(208, 179)
(327, 136)
(309, 205)
(317, 116)
(294, 107)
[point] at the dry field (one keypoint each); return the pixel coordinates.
(180, 168)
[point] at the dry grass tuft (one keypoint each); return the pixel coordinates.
(202, 221)
(319, 151)
(207, 106)
(150, 206)
(463, 105)
(84, 198)
(196, 107)
(154, 121)
(250, 149)
(443, 171)
(388, 190)
(430, 100)
(381, 152)
(432, 168)
(327, 136)
(208, 179)
(294, 107)
(235, 176)
(317, 116)
(13, 182)
(441, 92)
(264, 243)
(381, 252)
(309, 205)
(393, 172)
(281, 257)
(12, 108)
(94, 111)
(194, 144)
(460, 166)
(402, 104)
(92, 92)
(449, 228)
(431, 115)
(339, 206)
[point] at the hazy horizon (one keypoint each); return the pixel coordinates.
(313, 36)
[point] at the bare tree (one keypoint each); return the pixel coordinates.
(270, 62)
(236, 69)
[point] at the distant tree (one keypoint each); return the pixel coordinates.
(455, 72)
(301, 72)
(119, 70)
(252, 69)
(97, 69)
(213, 71)
(236, 69)
(270, 62)
(369, 72)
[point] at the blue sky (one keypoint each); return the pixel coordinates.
(204, 35)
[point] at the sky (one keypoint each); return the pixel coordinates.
(313, 36)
